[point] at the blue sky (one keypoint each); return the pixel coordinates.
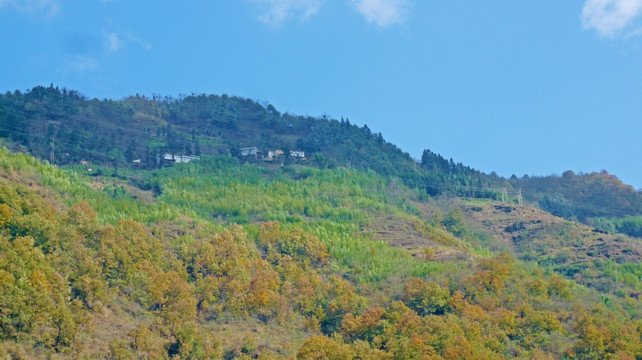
(516, 87)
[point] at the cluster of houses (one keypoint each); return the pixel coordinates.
(270, 155)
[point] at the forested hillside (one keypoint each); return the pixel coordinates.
(66, 128)
(225, 259)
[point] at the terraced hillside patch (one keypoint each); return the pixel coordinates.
(587, 255)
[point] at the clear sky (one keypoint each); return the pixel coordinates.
(516, 87)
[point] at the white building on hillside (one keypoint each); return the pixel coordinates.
(171, 158)
(249, 151)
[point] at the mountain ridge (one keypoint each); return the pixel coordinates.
(67, 128)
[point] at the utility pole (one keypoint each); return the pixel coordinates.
(519, 197)
(504, 195)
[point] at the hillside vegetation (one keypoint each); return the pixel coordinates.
(225, 259)
(66, 128)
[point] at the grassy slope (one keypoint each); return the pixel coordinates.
(600, 260)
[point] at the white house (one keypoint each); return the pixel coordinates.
(249, 151)
(297, 154)
(180, 158)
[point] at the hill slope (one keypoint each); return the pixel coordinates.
(91, 267)
(572, 249)
(67, 128)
